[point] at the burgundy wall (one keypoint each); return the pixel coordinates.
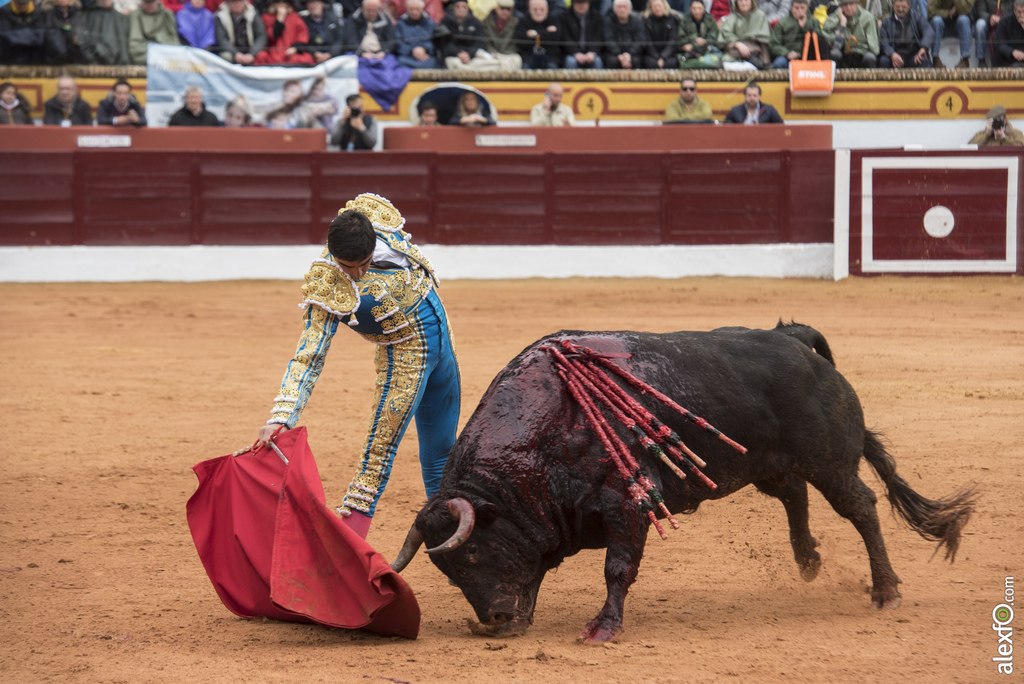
(976, 197)
(124, 197)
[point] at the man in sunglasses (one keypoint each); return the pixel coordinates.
(688, 108)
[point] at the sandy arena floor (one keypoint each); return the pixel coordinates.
(112, 392)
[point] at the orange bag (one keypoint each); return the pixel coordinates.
(811, 78)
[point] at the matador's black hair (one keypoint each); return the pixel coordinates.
(350, 236)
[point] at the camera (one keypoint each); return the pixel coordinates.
(355, 112)
(998, 123)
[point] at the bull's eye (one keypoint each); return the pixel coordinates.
(471, 549)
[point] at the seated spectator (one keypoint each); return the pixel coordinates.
(904, 39)
(998, 131)
(150, 23)
(14, 110)
(853, 32)
(552, 111)
(624, 36)
(428, 113)
(753, 112)
(196, 25)
(66, 108)
(776, 10)
(103, 34)
(326, 35)
(241, 33)
(661, 51)
(688, 107)
(237, 113)
(719, 10)
(951, 17)
(396, 8)
(1009, 39)
(698, 33)
(539, 38)
(194, 113)
(120, 108)
(286, 34)
(987, 14)
(62, 21)
(745, 34)
(787, 41)
(583, 37)
(414, 32)
(22, 33)
(468, 113)
(369, 32)
(356, 130)
(556, 8)
(465, 46)
(500, 29)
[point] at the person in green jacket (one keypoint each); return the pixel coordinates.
(787, 41)
(688, 107)
(103, 34)
(745, 34)
(853, 32)
(151, 22)
(698, 34)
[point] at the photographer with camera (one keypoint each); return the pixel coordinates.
(998, 131)
(355, 130)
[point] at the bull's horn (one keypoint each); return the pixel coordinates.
(413, 542)
(460, 510)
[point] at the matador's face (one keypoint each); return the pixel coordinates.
(355, 269)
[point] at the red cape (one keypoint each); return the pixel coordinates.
(273, 549)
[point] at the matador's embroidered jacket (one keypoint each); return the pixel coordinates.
(378, 306)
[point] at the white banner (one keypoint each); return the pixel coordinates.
(279, 97)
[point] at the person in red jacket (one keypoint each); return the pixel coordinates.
(286, 34)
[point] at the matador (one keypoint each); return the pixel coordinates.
(374, 280)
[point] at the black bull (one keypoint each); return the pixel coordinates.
(528, 483)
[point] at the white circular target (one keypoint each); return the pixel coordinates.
(938, 221)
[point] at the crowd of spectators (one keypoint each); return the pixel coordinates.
(513, 34)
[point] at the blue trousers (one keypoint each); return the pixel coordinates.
(413, 63)
(570, 63)
(962, 28)
(417, 378)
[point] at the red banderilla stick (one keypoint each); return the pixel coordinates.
(644, 387)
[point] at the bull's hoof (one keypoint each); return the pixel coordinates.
(509, 628)
(597, 633)
(889, 604)
(809, 568)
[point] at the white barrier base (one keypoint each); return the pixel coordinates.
(197, 263)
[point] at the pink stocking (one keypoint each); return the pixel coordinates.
(358, 523)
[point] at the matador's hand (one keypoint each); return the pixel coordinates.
(266, 432)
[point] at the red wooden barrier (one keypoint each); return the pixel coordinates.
(38, 138)
(610, 138)
(119, 197)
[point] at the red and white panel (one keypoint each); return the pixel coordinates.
(935, 214)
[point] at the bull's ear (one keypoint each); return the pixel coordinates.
(486, 514)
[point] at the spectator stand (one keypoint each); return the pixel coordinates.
(641, 96)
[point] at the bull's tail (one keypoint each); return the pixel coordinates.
(809, 336)
(939, 521)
